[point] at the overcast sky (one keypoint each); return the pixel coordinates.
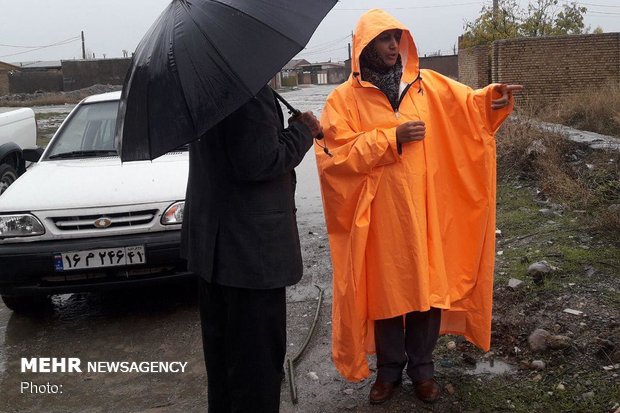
(111, 26)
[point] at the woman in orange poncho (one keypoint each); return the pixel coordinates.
(409, 198)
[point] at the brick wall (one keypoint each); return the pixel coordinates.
(550, 67)
(557, 66)
(474, 66)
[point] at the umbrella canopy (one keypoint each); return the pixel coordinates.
(200, 61)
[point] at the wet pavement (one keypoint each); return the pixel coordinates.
(133, 325)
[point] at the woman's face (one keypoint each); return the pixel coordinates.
(387, 46)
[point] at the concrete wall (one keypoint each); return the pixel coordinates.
(446, 65)
(336, 76)
(78, 74)
(550, 67)
(289, 79)
(30, 81)
(276, 81)
(304, 78)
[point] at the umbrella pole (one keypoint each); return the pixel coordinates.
(291, 109)
(296, 112)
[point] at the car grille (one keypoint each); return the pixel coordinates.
(104, 221)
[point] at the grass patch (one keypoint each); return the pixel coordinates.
(596, 110)
(555, 235)
(562, 172)
(541, 222)
(528, 393)
(48, 116)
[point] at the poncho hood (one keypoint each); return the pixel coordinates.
(372, 24)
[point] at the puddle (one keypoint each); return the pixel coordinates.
(495, 367)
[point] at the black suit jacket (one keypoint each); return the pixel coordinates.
(239, 224)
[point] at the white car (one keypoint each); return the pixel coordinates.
(18, 133)
(79, 219)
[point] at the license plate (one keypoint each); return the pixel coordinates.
(105, 257)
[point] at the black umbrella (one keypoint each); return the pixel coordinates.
(203, 59)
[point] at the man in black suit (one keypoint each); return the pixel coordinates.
(240, 236)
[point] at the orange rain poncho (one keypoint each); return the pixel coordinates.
(413, 230)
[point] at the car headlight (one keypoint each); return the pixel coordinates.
(20, 225)
(174, 214)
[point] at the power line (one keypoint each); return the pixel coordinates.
(601, 13)
(329, 43)
(39, 47)
(598, 5)
(323, 51)
(72, 40)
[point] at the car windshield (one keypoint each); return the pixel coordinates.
(89, 132)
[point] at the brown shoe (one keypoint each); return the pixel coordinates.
(428, 390)
(382, 391)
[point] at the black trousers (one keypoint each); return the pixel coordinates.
(244, 342)
(410, 345)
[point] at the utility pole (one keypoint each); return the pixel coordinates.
(350, 44)
(83, 47)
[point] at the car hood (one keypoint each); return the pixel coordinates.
(83, 183)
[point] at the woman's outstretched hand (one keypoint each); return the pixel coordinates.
(506, 90)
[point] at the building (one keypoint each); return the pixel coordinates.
(39, 76)
(290, 72)
(446, 65)
(322, 73)
(5, 69)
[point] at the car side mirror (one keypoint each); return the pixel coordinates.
(32, 155)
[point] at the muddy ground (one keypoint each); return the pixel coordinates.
(162, 324)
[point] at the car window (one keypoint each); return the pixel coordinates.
(90, 128)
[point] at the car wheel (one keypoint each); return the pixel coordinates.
(27, 304)
(8, 175)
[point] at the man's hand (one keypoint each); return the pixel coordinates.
(308, 119)
(506, 91)
(410, 131)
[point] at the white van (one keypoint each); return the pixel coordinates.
(18, 132)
